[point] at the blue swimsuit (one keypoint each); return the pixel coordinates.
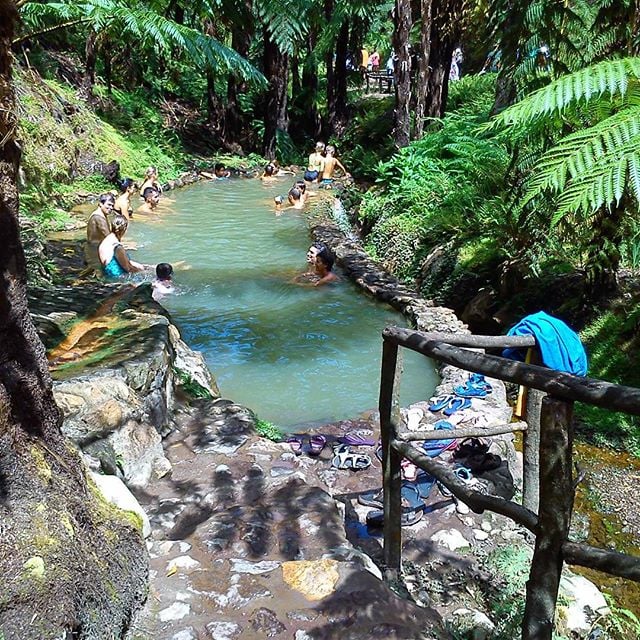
(113, 269)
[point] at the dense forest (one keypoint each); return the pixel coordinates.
(500, 176)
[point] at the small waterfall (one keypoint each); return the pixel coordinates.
(341, 219)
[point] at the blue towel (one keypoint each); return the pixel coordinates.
(559, 346)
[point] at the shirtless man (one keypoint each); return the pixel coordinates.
(316, 164)
(98, 228)
(323, 267)
(330, 164)
(151, 199)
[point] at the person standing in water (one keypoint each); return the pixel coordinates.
(330, 164)
(150, 181)
(123, 201)
(114, 259)
(316, 164)
(98, 228)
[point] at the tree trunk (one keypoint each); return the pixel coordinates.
(445, 33)
(65, 560)
(276, 68)
(309, 93)
(402, 72)
(90, 58)
(331, 86)
(340, 76)
(240, 42)
(422, 82)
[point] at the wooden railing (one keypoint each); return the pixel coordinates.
(547, 457)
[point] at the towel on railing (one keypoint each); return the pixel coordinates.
(560, 346)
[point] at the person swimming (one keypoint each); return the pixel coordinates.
(295, 198)
(221, 172)
(113, 257)
(323, 265)
(151, 198)
(270, 173)
(316, 163)
(163, 284)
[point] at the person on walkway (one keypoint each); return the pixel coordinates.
(374, 61)
(123, 201)
(98, 228)
(316, 163)
(113, 257)
(330, 164)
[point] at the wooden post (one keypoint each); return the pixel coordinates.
(391, 472)
(531, 451)
(556, 505)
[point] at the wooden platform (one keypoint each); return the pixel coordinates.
(382, 78)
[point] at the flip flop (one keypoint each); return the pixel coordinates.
(478, 380)
(316, 444)
(412, 509)
(409, 470)
(469, 390)
(457, 404)
(371, 498)
(356, 440)
(424, 484)
(296, 444)
(463, 473)
(440, 403)
(434, 448)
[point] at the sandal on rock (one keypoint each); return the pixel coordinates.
(412, 509)
(440, 403)
(434, 448)
(463, 473)
(345, 459)
(371, 498)
(469, 390)
(456, 404)
(356, 440)
(296, 444)
(316, 444)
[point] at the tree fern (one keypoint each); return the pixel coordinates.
(139, 22)
(604, 80)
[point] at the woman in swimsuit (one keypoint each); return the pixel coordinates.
(316, 163)
(113, 258)
(150, 180)
(123, 201)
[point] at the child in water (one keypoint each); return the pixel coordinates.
(163, 283)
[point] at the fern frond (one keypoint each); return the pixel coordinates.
(604, 80)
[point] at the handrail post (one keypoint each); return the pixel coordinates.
(531, 451)
(391, 472)
(556, 506)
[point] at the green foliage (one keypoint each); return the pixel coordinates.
(269, 430)
(435, 189)
(611, 340)
(511, 564)
(621, 623)
(599, 163)
(190, 386)
(138, 23)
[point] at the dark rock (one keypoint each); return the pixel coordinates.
(265, 621)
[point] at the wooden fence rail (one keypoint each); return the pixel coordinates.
(551, 458)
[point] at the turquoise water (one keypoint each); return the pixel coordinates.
(295, 355)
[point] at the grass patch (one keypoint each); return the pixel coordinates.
(268, 430)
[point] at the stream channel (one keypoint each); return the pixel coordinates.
(298, 356)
